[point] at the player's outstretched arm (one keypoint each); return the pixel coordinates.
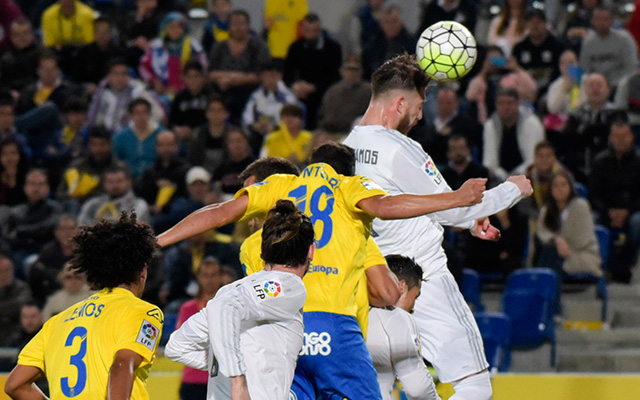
(208, 217)
(20, 384)
(409, 205)
(383, 286)
(121, 374)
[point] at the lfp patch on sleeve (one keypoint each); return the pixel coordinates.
(432, 172)
(370, 185)
(148, 335)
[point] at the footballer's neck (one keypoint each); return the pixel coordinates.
(386, 110)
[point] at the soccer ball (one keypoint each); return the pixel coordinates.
(446, 51)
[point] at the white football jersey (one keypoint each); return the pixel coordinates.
(394, 343)
(253, 327)
(399, 165)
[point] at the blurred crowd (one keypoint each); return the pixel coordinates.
(110, 105)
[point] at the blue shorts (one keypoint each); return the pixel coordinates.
(334, 363)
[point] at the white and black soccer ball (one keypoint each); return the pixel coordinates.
(446, 51)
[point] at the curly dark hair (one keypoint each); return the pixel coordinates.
(286, 235)
(113, 253)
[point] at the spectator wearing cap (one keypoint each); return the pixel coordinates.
(290, 141)
(162, 65)
(345, 100)
(312, 65)
(262, 113)
(135, 144)
(163, 182)
(610, 52)
(198, 184)
(19, 62)
(510, 136)
(539, 52)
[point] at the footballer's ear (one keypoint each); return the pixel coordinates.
(312, 250)
(400, 103)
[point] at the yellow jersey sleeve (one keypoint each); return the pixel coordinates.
(140, 332)
(264, 195)
(250, 253)
(32, 355)
(374, 255)
(358, 188)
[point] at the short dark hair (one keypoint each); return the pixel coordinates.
(117, 61)
(311, 18)
(543, 144)
(292, 110)
(193, 65)
(265, 167)
(47, 54)
(74, 104)
(113, 253)
(458, 136)
(6, 99)
(216, 98)
(406, 269)
(102, 20)
(137, 102)
(40, 171)
(99, 132)
(340, 157)
(402, 72)
(116, 169)
(507, 91)
(240, 12)
(286, 235)
(272, 65)
(533, 12)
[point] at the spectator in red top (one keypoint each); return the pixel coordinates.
(9, 12)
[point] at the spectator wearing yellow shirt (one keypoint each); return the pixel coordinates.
(281, 20)
(290, 141)
(68, 22)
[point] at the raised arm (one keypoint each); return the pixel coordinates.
(409, 205)
(204, 219)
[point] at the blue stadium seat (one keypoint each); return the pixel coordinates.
(604, 240)
(470, 288)
(495, 328)
(530, 300)
(170, 321)
(581, 190)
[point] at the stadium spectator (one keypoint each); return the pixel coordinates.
(198, 182)
(93, 60)
(237, 157)
(13, 294)
(138, 28)
(392, 40)
(610, 52)
(163, 182)
(112, 97)
(193, 384)
(19, 62)
(462, 11)
(118, 197)
(578, 22)
(74, 290)
(31, 321)
(207, 143)
(345, 100)
(615, 196)
(234, 63)
(364, 26)
(136, 144)
(83, 178)
(545, 164)
(188, 108)
(43, 275)
(261, 115)
(539, 52)
(627, 98)
(482, 89)
(7, 123)
(13, 170)
(566, 237)
(29, 225)
(182, 260)
(586, 131)
(508, 28)
(282, 23)
(460, 166)
(9, 12)
(67, 23)
(510, 136)
(162, 65)
(448, 122)
(563, 95)
(217, 27)
(290, 141)
(312, 65)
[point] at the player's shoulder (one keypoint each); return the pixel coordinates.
(394, 318)
(140, 307)
(374, 142)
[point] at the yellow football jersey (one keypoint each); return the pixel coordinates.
(252, 262)
(76, 348)
(341, 229)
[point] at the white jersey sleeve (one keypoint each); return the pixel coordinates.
(264, 297)
(189, 344)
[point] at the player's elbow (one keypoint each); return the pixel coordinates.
(171, 351)
(13, 386)
(385, 296)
